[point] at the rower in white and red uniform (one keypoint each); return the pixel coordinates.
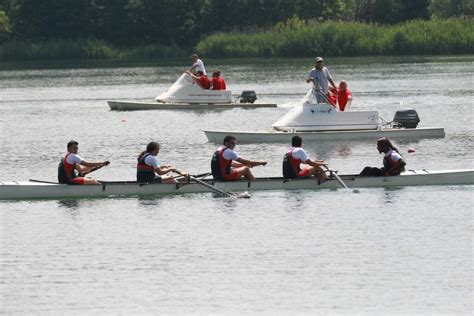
(72, 166)
(227, 165)
(149, 169)
(297, 164)
(393, 163)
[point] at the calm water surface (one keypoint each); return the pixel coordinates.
(407, 250)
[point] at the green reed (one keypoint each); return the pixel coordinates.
(82, 49)
(296, 38)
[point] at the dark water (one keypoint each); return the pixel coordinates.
(330, 252)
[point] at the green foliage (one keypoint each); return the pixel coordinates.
(5, 27)
(297, 39)
(82, 49)
(452, 8)
(237, 27)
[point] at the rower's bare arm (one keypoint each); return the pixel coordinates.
(164, 170)
(315, 163)
(251, 163)
(399, 166)
(94, 164)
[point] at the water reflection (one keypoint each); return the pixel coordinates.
(69, 204)
(391, 195)
(149, 201)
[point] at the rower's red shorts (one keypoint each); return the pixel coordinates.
(304, 172)
(77, 180)
(233, 175)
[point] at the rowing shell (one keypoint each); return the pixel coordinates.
(48, 190)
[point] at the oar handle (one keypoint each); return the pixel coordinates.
(105, 163)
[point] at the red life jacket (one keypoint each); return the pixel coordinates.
(218, 83)
(66, 171)
(204, 81)
(291, 165)
(220, 166)
(388, 162)
(342, 97)
(145, 173)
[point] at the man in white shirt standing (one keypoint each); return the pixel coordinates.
(198, 65)
(296, 163)
(321, 77)
(72, 167)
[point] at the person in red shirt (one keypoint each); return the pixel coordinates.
(340, 96)
(217, 82)
(343, 95)
(201, 79)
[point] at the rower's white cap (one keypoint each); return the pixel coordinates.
(318, 59)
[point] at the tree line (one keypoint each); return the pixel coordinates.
(183, 23)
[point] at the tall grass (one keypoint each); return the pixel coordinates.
(298, 39)
(82, 49)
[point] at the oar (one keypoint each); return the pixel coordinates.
(82, 174)
(337, 177)
(207, 185)
(318, 91)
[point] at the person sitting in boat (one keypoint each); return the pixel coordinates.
(393, 163)
(201, 79)
(321, 77)
(297, 164)
(344, 96)
(198, 65)
(340, 97)
(149, 169)
(227, 165)
(72, 167)
(217, 82)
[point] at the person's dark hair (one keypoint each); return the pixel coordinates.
(388, 143)
(71, 143)
(296, 141)
(228, 138)
(216, 73)
(149, 148)
(200, 72)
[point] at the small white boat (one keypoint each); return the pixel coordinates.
(14, 190)
(186, 94)
(320, 121)
(310, 116)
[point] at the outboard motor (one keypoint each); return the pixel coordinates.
(406, 119)
(248, 97)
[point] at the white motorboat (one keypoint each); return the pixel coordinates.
(14, 190)
(310, 116)
(321, 121)
(185, 93)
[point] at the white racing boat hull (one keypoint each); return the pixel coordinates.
(154, 105)
(42, 190)
(285, 137)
